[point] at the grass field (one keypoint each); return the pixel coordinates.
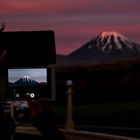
(119, 114)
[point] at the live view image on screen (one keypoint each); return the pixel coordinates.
(33, 82)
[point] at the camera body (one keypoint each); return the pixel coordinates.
(29, 64)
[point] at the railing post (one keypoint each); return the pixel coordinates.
(69, 122)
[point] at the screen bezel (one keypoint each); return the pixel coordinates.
(51, 82)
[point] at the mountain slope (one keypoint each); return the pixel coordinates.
(107, 47)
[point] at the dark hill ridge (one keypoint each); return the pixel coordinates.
(61, 59)
(105, 48)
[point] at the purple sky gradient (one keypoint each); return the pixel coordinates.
(74, 22)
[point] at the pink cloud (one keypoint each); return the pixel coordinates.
(14, 6)
(95, 7)
(63, 7)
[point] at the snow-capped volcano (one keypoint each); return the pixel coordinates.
(108, 41)
(107, 46)
(26, 81)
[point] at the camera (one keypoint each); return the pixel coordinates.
(29, 65)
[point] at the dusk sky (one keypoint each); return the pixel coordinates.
(74, 21)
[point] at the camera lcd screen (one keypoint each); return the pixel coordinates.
(33, 82)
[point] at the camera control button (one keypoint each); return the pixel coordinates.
(32, 95)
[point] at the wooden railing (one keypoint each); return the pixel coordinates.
(75, 134)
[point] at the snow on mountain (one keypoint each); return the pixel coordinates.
(26, 78)
(106, 47)
(107, 41)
